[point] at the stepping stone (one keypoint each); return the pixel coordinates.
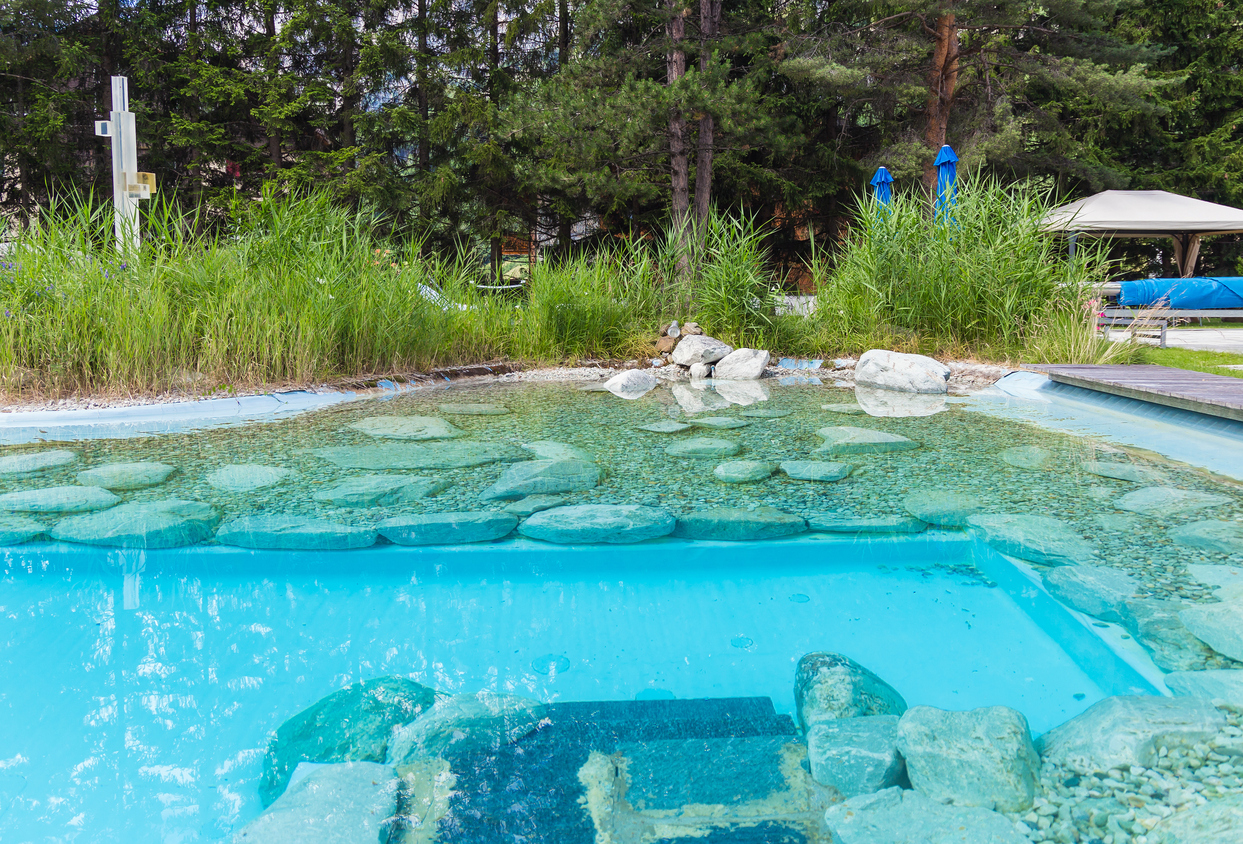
(1220, 626)
(346, 802)
(172, 523)
(58, 499)
(473, 409)
(1215, 684)
(247, 477)
(1167, 501)
(666, 426)
(380, 491)
(736, 524)
(1038, 539)
(703, 447)
(447, 528)
(534, 504)
(1122, 471)
(595, 523)
(544, 477)
(829, 523)
(899, 816)
(549, 450)
(14, 530)
(1218, 577)
(849, 408)
(719, 423)
(456, 455)
(293, 533)
(847, 440)
(943, 507)
(765, 413)
(1099, 591)
(744, 471)
(1223, 537)
(1126, 730)
(35, 461)
(407, 428)
(1156, 625)
(1028, 457)
(126, 476)
(816, 470)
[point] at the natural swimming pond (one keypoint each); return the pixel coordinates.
(966, 560)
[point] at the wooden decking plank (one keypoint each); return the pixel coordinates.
(1216, 395)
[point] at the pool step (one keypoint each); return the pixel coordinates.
(541, 789)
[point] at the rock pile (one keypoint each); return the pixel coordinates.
(700, 356)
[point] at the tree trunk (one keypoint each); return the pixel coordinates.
(565, 241)
(494, 64)
(425, 152)
(942, 80)
(274, 132)
(709, 23)
(679, 163)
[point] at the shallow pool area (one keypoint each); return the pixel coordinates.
(168, 603)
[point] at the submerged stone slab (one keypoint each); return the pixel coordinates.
(474, 723)
(744, 471)
(1122, 471)
(1220, 626)
(831, 685)
(352, 724)
(737, 524)
(983, 757)
(831, 523)
(126, 476)
(453, 455)
(534, 504)
(542, 477)
(473, 409)
(58, 499)
(1215, 684)
(847, 440)
(1040, 539)
(856, 755)
(380, 490)
(1219, 821)
(943, 507)
(1099, 591)
(898, 816)
(1210, 535)
(293, 533)
(447, 528)
(550, 450)
(1157, 626)
(765, 413)
(1168, 501)
(719, 422)
(596, 523)
(1031, 457)
(666, 426)
(703, 447)
(848, 408)
(247, 477)
(346, 803)
(815, 470)
(1121, 731)
(407, 428)
(36, 461)
(1216, 576)
(14, 530)
(172, 523)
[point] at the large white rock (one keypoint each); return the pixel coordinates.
(700, 348)
(346, 803)
(1215, 684)
(898, 371)
(741, 365)
(1220, 626)
(983, 757)
(1099, 591)
(1118, 732)
(897, 403)
(631, 384)
(897, 816)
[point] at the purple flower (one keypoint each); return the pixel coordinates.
(7, 313)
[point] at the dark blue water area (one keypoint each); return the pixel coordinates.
(138, 690)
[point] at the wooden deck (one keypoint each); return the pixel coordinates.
(1216, 395)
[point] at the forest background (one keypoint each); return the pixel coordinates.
(474, 123)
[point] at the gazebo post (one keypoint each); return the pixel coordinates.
(1186, 251)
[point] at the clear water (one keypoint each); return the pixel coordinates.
(136, 707)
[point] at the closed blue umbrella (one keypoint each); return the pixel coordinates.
(947, 175)
(880, 183)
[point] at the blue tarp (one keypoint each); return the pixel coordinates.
(1183, 293)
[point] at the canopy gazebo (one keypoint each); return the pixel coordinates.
(1148, 213)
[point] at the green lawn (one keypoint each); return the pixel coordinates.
(1194, 360)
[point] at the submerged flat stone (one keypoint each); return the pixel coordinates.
(666, 426)
(720, 423)
(736, 524)
(58, 499)
(943, 507)
(473, 409)
(765, 413)
(1220, 626)
(815, 470)
(744, 471)
(1219, 821)
(1223, 537)
(407, 428)
(1168, 501)
(126, 476)
(848, 440)
(380, 490)
(550, 450)
(534, 503)
(829, 523)
(447, 528)
(703, 447)
(595, 523)
(14, 530)
(1214, 684)
(904, 816)
(247, 477)
(1039, 539)
(1099, 591)
(342, 803)
(1028, 457)
(293, 533)
(172, 523)
(454, 455)
(542, 477)
(36, 461)
(1122, 471)
(849, 408)
(479, 723)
